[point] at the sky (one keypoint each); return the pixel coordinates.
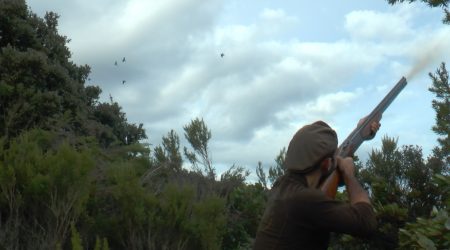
(286, 64)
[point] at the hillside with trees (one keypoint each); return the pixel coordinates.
(74, 173)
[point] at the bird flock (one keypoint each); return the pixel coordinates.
(124, 60)
(116, 64)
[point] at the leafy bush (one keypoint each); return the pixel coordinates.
(43, 189)
(433, 232)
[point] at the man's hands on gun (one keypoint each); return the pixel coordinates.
(355, 192)
(374, 126)
(346, 167)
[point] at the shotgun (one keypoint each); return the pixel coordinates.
(361, 133)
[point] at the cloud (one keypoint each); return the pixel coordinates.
(372, 26)
(327, 105)
(263, 86)
(269, 83)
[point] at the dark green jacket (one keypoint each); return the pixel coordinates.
(298, 217)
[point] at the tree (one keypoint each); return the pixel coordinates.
(198, 135)
(38, 82)
(109, 124)
(41, 88)
(278, 170)
(433, 232)
(44, 188)
(245, 208)
(168, 155)
(262, 178)
(50, 127)
(401, 176)
(431, 3)
(77, 243)
(401, 186)
(441, 88)
(274, 171)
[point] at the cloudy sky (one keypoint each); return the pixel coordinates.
(286, 64)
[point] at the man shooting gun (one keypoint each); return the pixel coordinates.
(301, 211)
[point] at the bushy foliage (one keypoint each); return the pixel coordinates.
(75, 239)
(274, 171)
(400, 182)
(41, 88)
(245, 208)
(198, 136)
(441, 89)
(432, 232)
(44, 187)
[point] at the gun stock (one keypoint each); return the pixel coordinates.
(361, 133)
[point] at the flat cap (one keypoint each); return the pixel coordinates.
(309, 145)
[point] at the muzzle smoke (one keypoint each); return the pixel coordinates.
(428, 54)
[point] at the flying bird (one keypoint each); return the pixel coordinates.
(123, 59)
(123, 81)
(222, 55)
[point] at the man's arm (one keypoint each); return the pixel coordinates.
(356, 192)
(356, 218)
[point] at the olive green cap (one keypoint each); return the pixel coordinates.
(309, 146)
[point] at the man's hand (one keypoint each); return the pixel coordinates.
(355, 192)
(374, 126)
(346, 166)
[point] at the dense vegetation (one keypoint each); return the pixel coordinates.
(75, 175)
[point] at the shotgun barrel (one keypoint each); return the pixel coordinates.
(361, 133)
